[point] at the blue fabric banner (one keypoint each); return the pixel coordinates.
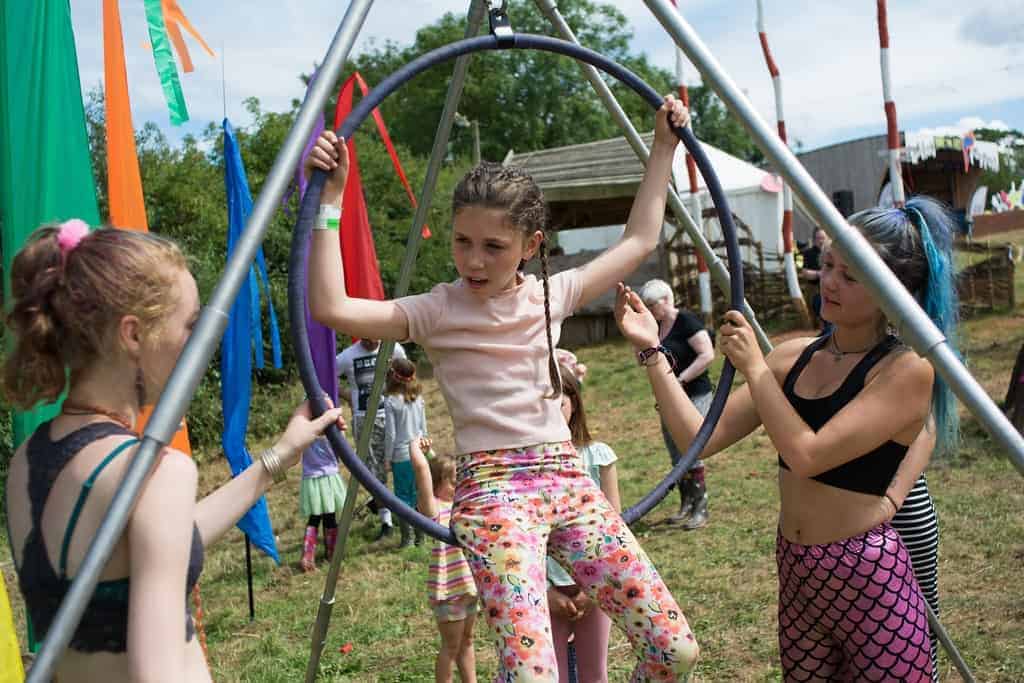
(242, 344)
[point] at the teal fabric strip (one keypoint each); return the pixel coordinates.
(165, 65)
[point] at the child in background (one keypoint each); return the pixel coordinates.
(404, 424)
(450, 586)
(321, 496)
(572, 612)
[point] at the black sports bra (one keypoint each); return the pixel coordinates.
(104, 624)
(872, 472)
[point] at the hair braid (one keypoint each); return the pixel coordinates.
(556, 377)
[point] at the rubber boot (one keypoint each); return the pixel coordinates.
(686, 500)
(330, 541)
(699, 511)
(406, 534)
(309, 549)
(417, 536)
(385, 532)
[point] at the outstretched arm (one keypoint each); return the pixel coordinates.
(647, 214)
(329, 303)
(679, 414)
(218, 512)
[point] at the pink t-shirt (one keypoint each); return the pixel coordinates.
(491, 358)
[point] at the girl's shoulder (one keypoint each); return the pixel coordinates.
(599, 453)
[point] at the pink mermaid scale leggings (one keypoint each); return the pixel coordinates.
(512, 507)
(851, 611)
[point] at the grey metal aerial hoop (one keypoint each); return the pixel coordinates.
(307, 215)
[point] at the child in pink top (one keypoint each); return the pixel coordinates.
(521, 489)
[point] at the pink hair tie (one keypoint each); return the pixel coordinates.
(70, 234)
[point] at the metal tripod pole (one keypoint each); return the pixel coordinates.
(719, 271)
(195, 357)
(437, 155)
(897, 303)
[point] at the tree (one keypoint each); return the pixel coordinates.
(525, 100)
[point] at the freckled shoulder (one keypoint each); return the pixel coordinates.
(783, 356)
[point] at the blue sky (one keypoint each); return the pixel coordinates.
(954, 65)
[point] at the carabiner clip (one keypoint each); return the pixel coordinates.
(501, 27)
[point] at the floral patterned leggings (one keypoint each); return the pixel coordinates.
(511, 508)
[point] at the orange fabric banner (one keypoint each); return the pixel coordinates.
(180, 439)
(127, 209)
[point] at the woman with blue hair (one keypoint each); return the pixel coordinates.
(853, 414)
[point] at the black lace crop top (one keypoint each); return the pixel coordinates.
(104, 624)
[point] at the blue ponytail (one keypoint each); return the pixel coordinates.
(938, 298)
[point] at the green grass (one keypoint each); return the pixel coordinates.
(723, 576)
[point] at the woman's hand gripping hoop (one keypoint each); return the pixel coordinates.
(308, 215)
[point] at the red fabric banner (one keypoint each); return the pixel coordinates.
(358, 254)
(339, 116)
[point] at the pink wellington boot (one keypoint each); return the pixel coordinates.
(309, 549)
(330, 540)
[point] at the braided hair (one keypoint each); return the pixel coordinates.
(510, 188)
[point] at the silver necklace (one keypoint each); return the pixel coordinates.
(838, 354)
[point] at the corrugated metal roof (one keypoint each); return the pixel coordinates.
(602, 169)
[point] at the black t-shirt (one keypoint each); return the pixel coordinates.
(812, 258)
(677, 341)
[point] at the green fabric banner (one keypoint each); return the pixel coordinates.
(165, 65)
(45, 170)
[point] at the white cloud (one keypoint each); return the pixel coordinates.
(828, 54)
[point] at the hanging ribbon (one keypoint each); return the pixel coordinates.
(124, 183)
(358, 253)
(165, 66)
(176, 20)
(340, 114)
(237, 348)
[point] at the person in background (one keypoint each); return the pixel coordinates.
(405, 424)
(321, 497)
(450, 588)
(693, 351)
(357, 365)
(572, 612)
(811, 272)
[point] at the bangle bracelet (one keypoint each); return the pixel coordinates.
(329, 218)
(272, 464)
(893, 501)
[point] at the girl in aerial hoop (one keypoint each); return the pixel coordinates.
(521, 488)
(849, 605)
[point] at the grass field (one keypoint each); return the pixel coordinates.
(723, 576)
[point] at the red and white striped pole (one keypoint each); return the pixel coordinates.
(788, 261)
(892, 129)
(696, 208)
